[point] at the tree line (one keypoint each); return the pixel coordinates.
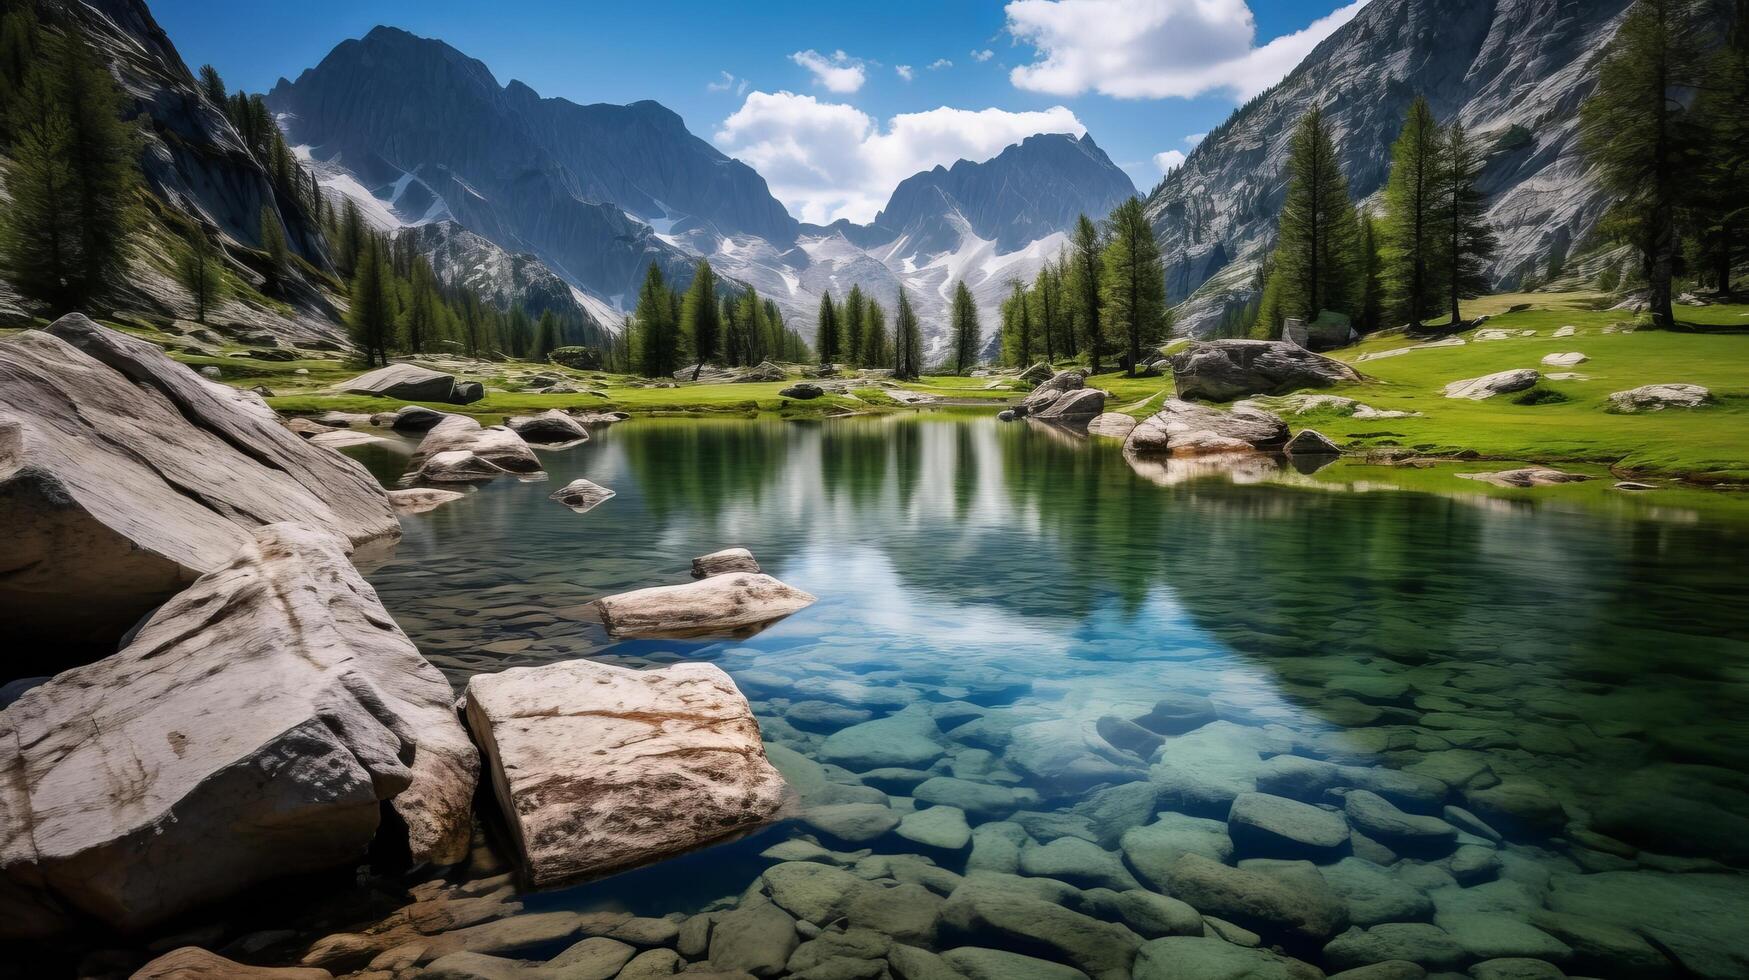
(709, 322)
(1103, 297)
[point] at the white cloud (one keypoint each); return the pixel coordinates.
(1168, 159)
(940, 63)
(727, 83)
(827, 160)
(1155, 49)
(984, 55)
(838, 72)
(905, 72)
(1195, 139)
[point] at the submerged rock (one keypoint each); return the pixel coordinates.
(1222, 370)
(1183, 957)
(1289, 903)
(986, 911)
(194, 963)
(420, 500)
(581, 495)
(717, 604)
(124, 476)
(1529, 476)
(600, 768)
(1262, 825)
(251, 730)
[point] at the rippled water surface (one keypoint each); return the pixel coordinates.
(1576, 685)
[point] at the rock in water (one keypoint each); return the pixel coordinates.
(1073, 407)
(724, 562)
(495, 451)
(406, 381)
(549, 427)
(1222, 370)
(1112, 425)
(1187, 429)
(716, 604)
(600, 768)
(194, 963)
(1656, 398)
(1489, 385)
(1049, 391)
(124, 476)
(1311, 442)
(582, 496)
(1529, 476)
(251, 730)
(419, 500)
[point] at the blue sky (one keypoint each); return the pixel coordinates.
(833, 103)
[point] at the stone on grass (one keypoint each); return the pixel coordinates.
(124, 476)
(1222, 370)
(581, 495)
(1196, 958)
(405, 381)
(1489, 385)
(1565, 359)
(600, 768)
(717, 604)
(803, 390)
(263, 717)
(1656, 398)
(723, 562)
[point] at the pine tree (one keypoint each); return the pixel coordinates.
(371, 317)
(39, 235)
(18, 46)
(419, 321)
(853, 314)
(546, 335)
(874, 335)
(521, 330)
(700, 317)
(1017, 326)
(1315, 246)
(963, 325)
(1370, 308)
(907, 341)
(658, 334)
(1133, 289)
(1469, 241)
(1050, 308)
(826, 337)
(273, 243)
(198, 269)
(1632, 128)
(1417, 216)
(734, 331)
(1086, 264)
(1719, 205)
(213, 87)
(351, 238)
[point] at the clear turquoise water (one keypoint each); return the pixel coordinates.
(1602, 660)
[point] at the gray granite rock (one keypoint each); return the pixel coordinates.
(1261, 825)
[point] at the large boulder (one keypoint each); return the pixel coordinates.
(124, 476)
(600, 768)
(1222, 370)
(716, 604)
(549, 427)
(803, 390)
(252, 729)
(763, 371)
(1049, 391)
(1184, 428)
(406, 381)
(1079, 406)
(1328, 332)
(1112, 425)
(499, 448)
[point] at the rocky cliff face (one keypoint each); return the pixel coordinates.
(461, 258)
(1515, 73)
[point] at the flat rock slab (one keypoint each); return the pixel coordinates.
(251, 730)
(1222, 370)
(420, 500)
(1112, 425)
(599, 768)
(1262, 825)
(1656, 398)
(1529, 476)
(717, 604)
(124, 476)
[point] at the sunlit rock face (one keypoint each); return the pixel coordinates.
(1513, 72)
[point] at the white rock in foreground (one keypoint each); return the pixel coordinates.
(716, 604)
(124, 476)
(1570, 358)
(1489, 385)
(1656, 398)
(250, 731)
(600, 768)
(497, 451)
